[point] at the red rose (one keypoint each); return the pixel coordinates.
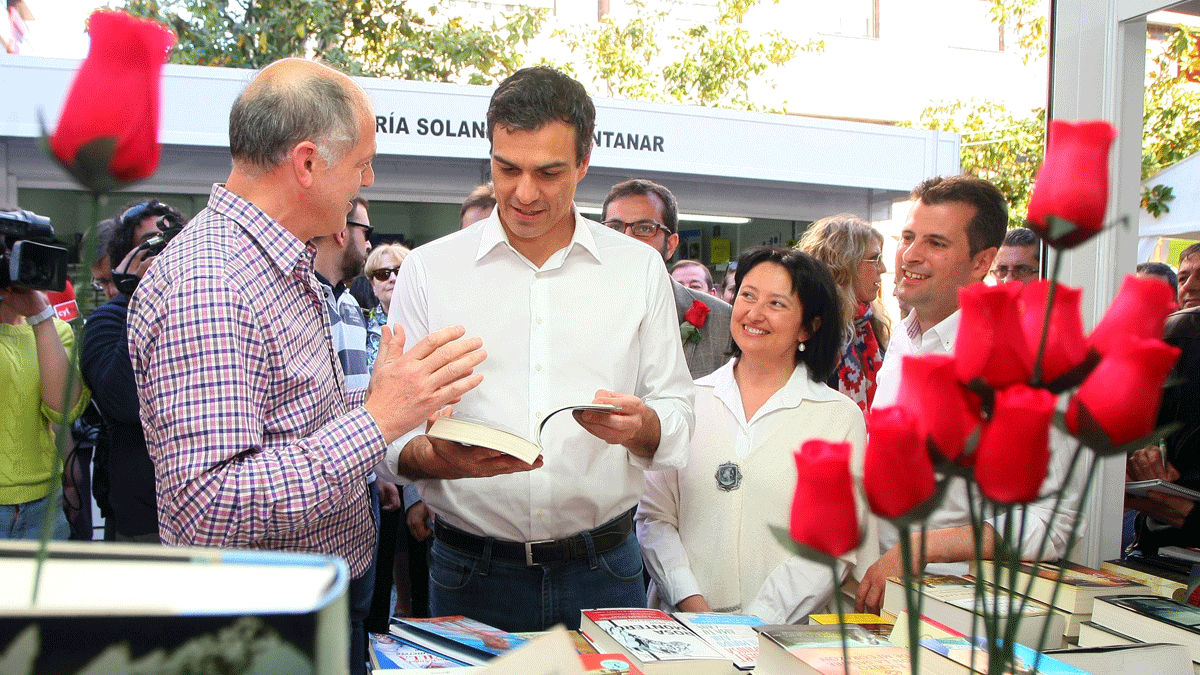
(1066, 346)
(108, 133)
(897, 473)
(946, 413)
(1014, 446)
(823, 511)
(698, 314)
(995, 348)
(1139, 310)
(1123, 393)
(1073, 182)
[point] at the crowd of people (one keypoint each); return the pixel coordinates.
(251, 394)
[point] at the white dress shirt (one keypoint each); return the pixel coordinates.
(955, 508)
(599, 314)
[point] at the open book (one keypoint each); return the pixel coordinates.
(470, 430)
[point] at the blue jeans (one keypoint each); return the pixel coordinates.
(519, 598)
(24, 521)
(361, 590)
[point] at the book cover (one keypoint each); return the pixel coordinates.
(472, 430)
(1168, 611)
(389, 651)
(457, 637)
(608, 664)
(1151, 618)
(1160, 582)
(648, 635)
(857, 618)
(973, 657)
(1139, 488)
(731, 634)
(1079, 586)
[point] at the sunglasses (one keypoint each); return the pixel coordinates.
(384, 273)
(367, 229)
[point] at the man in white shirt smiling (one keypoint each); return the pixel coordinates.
(570, 312)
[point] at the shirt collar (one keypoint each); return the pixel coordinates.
(800, 387)
(281, 247)
(945, 332)
(493, 235)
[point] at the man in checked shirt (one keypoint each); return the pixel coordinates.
(255, 440)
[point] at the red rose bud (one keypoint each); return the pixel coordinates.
(1014, 447)
(1124, 391)
(897, 473)
(107, 135)
(946, 413)
(1139, 310)
(1066, 346)
(823, 511)
(1072, 183)
(697, 314)
(995, 349)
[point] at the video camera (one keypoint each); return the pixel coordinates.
(30, 258)
(168, 224)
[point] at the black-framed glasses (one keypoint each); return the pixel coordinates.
(384, 273)
(643, 229)
(367, 229)
(1017, 271)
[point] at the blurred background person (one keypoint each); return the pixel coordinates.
(728, 282)
(1019, 258)
(383, 264)
(125, 474)
(1189, 282)
(102, 281)
(709, 547)
(478, 205)
(694, 275)
(35, 369)
(853, 250)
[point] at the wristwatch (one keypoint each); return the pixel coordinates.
(41, 316)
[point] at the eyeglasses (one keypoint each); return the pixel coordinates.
(384, 273)
(873, 260)
(367, 229)
(100, 283)
(642, 229)
(1017, 271)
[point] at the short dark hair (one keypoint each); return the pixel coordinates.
(482, 197)
(127, 221)
(986, 229)
(531, 97)
(1021, 236)
(813, 283)
(708, 278)
(1158, 269)
(638, 186)
(1189, 252)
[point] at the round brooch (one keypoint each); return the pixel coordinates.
(729, 476)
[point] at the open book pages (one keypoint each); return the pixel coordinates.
(473, 430)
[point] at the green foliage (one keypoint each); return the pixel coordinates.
(1028, 21)
(1155, 199)
(1170, 132)
(1003, 148)
(379, 38)
(707, 64)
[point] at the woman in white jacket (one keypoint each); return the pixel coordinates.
(705, 529)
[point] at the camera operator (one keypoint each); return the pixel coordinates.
(34, 373)
(136, 240)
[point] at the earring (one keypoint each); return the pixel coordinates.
(801, 346)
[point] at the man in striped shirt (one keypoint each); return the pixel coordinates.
(255, 439)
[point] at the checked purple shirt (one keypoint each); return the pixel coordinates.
(255, 441)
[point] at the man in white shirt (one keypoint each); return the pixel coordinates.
(569, 312)
(949, 241)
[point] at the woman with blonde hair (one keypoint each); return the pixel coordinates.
(382, 268)
(853, 250)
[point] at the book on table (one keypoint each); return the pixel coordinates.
(951, 600)
(873, 623)
(608, 664)
(457, 637)
(1077, 589)
(1169, 583)
(396, 653)
(1151, 618)
(960, 655)
(817, 650)
(730, 634)
(1129, 659)
(473, 430)
(1092, 634)
(655, 642)
(1140, 488)
(109, 607)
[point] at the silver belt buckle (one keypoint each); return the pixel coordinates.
(529, 550)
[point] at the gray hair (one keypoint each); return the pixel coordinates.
(271, 117)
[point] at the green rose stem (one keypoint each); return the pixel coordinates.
(841, 612)
(913, 596)
(1041, 352)
(87, 244)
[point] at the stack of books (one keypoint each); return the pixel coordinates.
(1072, 596)
(1126, 619)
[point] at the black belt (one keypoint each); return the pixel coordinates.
(604, 539)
